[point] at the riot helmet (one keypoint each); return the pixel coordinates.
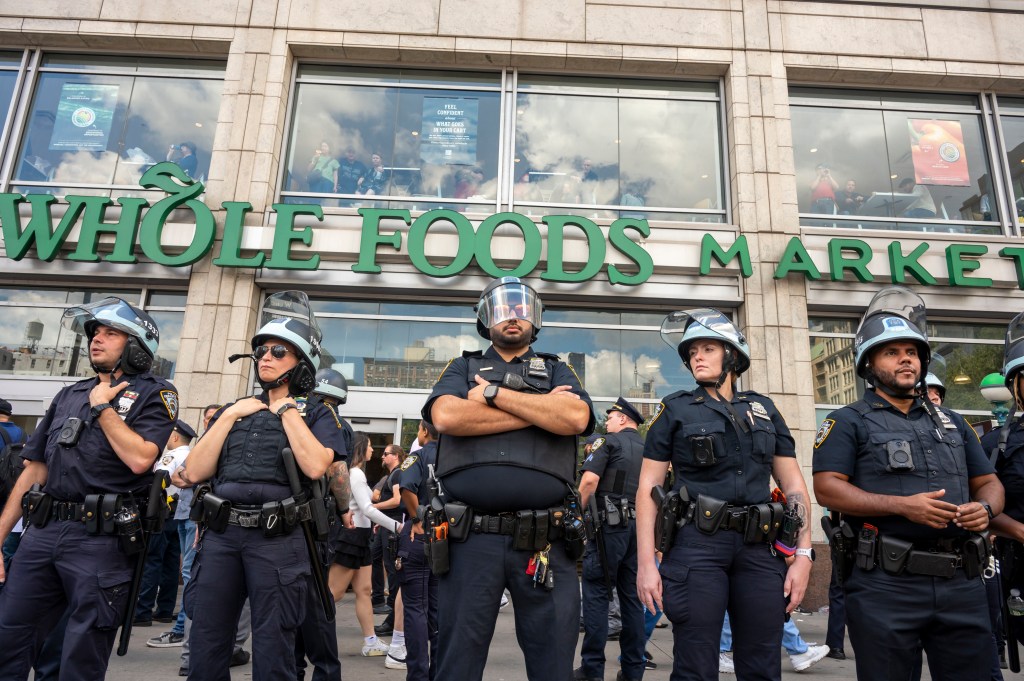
(932, 381)
(680, 330)
(143, 335)
(894, 314)
(287, 315)
(1013, 351)
(504, 299)
(331, 384)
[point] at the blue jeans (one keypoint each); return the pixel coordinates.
(791, 639)
(186, 540)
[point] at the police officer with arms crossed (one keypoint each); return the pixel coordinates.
(724, 446)
(250, 543)
(915, 488)
(100, 436)
(508, 420)
(610, 475)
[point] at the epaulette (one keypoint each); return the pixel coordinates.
(548, 355)
(677, 394)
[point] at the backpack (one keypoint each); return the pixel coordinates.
(11, 464)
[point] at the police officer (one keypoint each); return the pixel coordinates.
(724, 446)
(610, 475)
(508, 419)
(332, 389)
(936, 390)
(419, 584)
(913, 484)
(100, 436)
(250, 543)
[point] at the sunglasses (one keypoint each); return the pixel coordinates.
(510, 311)
(276, 351)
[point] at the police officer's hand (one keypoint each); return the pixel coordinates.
(971, 516)
(648, 585)
(477, 393)
(104, 393)
(798, 574)
(246, 407)
(414, 528)
(926, 509)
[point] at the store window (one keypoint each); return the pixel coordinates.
(10, 63)
(33, 342)
(98, 123)
(889, 160)
(962, 355)
(1011, 118)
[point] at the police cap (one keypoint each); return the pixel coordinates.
(628, 409)
(185, 430)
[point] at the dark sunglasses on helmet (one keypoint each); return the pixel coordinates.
(277, 351)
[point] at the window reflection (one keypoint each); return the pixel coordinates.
(8, 78)
(859, 159)
(1012, 120)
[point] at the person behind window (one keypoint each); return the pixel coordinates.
(468, 182)
(823, 191)
(376, 178)
(633, 196)
(322, 173)
(587, 180)
(923, 205)
(350, 171)
(849, 200)
(184, 155)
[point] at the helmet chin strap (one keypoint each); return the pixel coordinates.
(891, 392)
(111, 372)
(277, 382)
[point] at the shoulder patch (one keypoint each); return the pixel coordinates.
(597, 444)
(658, 411)
(823, 431)
(409, 461)
(170, 400)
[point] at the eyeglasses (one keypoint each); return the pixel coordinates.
(277, 351)
(510, 311)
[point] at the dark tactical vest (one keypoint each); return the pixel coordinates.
(621, 476)
(252, 452)
(532, 447)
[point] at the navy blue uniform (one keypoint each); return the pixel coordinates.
(1010, 469)
(419, 584)
(888, 615)
(60, 566)
(615, 459)
(547, 622)
(274, 572)
(703, 575)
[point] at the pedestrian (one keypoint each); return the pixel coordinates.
(915, 487)
(724, 447)
(508, 419)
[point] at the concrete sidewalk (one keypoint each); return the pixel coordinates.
(504, 663)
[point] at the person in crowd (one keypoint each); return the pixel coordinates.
(390, 504)
(376, 179)
(802, 655)
(725, 447)
(923, 205)
(350, 171)
(848, 199)
(916, 489)
(936, 390)
(322, 171)
(508, 419)
(255, 453)
(823, 190)
(467, 182)
(9, 430)
(352, 552)
(99, 436)
(633, 195)
(610, 474)
(835, 636)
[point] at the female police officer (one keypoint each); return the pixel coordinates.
(250, 548)
(724, 447)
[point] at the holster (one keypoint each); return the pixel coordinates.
(91, 506)
(893, 554)
(975, 555)
(436, 551)
(864, 555)
(36, 506)
(196, 510)
(840, 537)
(612, 513)
(711, 513)
(216, 512)
(668, 518)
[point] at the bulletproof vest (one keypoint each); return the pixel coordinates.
(531, 447)
(938, 459)
(252, 452)
(622, 474)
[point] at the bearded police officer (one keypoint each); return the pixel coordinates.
(93, 454)
(915, 489)
(608, 484)
(508, 420)
(250, 543)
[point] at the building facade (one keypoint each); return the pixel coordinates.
(778, 160)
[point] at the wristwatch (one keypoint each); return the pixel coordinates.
(490, 392)
(988, 509)
(98, 409)
(805, 552)
(285, 407)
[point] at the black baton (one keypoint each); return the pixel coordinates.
(153, 522)
(317, 568)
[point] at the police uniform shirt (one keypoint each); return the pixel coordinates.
(847, 443)
(387, 492)
(415, 474)
(621, 451)
(503, 488)
(250, 470)
(149, 406)
(690, 427)
(1010, 467)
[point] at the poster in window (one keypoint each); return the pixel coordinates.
(937, 148)
(85, 113)
(449, 130)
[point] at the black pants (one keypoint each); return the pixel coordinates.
(419, 603)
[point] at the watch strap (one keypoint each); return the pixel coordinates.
(809, 553)
(285, 407)
(490, 392)
(99, 409)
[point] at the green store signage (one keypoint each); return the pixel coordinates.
(144, 229)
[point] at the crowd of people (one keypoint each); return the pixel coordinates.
(706, 519)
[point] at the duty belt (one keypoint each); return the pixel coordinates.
(530, 530)
(75, 510)
(930, 558)
(603, 515)
(252, 516)
(503, 523)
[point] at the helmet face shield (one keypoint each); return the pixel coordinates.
(117, 314)
(1013, 350)
(894, 314)
(513, 300)
(680, 329)
(288, 315)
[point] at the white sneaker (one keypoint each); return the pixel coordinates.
(806, 660)
(725, 665)
(504, 601)
(396, 657)
(378, 649)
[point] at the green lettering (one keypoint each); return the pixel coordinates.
(900, 264)
(418, 240)
(40, 225)
(285, 233)
(596, 248)
(959, 267)
(182, 193)
(1016, 254)
(371, 236)
(531, 244)
(709, 247)
(125, 229)
(632, 250)
(231, 245)
(858, 264)
(796, 259)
